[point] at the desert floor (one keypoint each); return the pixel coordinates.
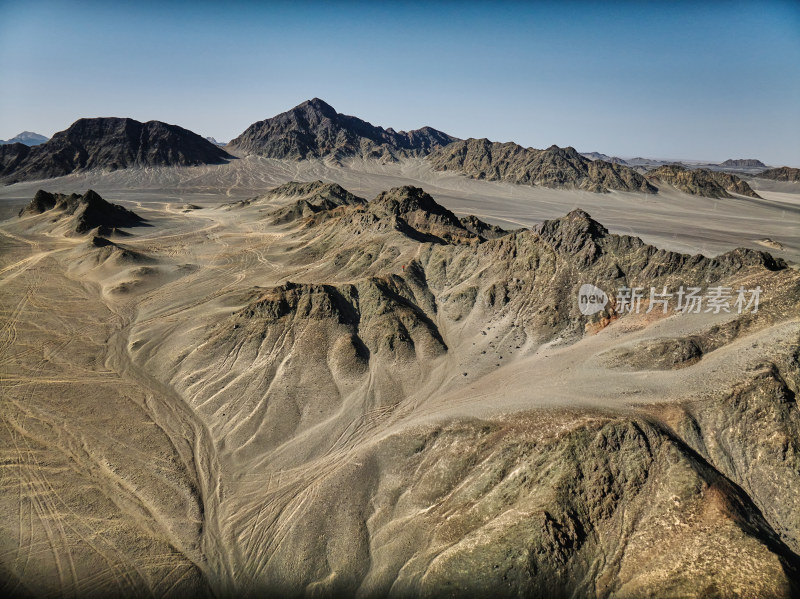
(119, 466)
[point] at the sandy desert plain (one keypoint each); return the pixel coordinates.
(242, 396)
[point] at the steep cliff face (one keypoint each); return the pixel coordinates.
(11, 157)
(751, 434)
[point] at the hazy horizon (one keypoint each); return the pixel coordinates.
(662, 81)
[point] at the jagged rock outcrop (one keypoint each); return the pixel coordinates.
(417, 209)
(308, 199)
(504, 272)
(314, 129)
(554, 167)
(702, 182)
(382, 310)
(784, 173)
(734, 184)
(112, 144)
(84, 213)
(478, 227)
(407, 210)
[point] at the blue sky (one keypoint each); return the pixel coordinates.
(672, 80)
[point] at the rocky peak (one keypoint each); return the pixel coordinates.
(417, 209)
(317, 107)
(314, 129)
(572, 233)
(87, 212)
(309, 200)
(41, 201)
(405, 199)
(332, 191)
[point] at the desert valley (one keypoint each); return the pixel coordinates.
(333, 359)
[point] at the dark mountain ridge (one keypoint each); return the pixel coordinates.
(87, 212)
(783, 173)
(314, 129)
(701, 181)
(743, 163)
(109, 144)
(554, 167)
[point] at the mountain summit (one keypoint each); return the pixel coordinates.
(314, 129)
(110, 144)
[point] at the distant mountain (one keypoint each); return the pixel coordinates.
(554, 167)
(215, 142)
(784, 173)
(743, 163)
(605, 157)
(29, 138)
(314, 129)
(109, 144)
(639, 161)
(701, 181)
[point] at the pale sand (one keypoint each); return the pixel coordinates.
(669, 219)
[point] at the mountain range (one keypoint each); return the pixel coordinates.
(554, 167)
(315, 130)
